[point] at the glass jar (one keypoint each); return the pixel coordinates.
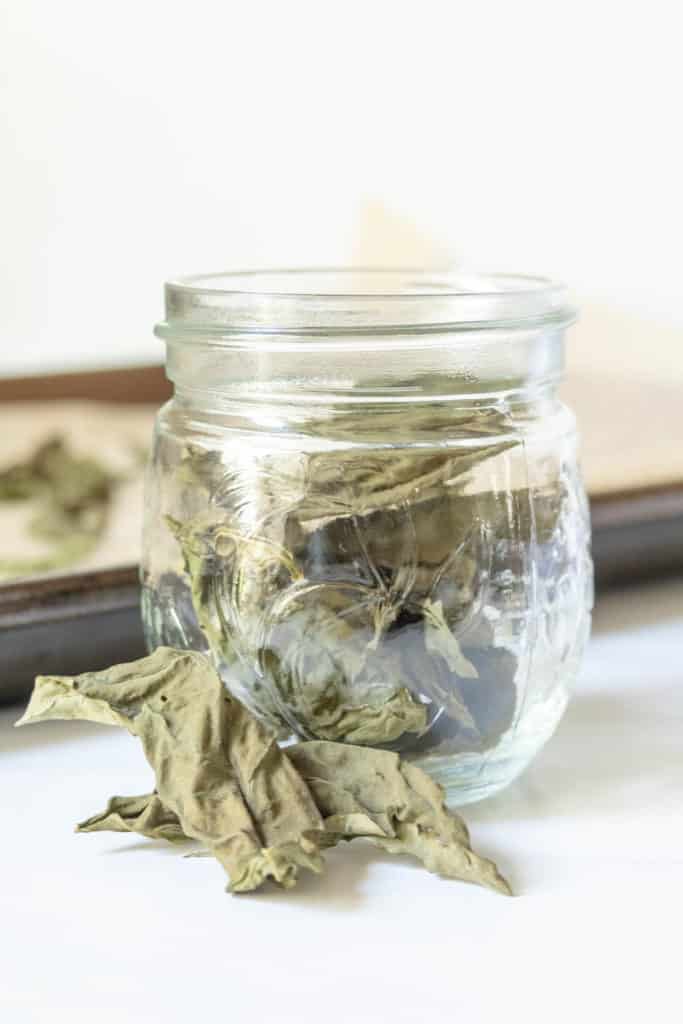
(364, 505)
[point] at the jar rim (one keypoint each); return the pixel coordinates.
(353, 300)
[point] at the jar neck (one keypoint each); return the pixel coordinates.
(479, 367)
(416, 396)
(334, 425)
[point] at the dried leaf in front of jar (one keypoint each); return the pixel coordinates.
(146, 815)
(217, 769)
(222, 779)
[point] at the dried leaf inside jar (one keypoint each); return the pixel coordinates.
(337, 588)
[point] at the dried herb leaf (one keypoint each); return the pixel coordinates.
(369, 724)
(359, 482)
(201, 566)
(147, 815)
(373, 793)
(441, 640)
(277, 797)
(202, 747)
(228, 632)
(329, 680)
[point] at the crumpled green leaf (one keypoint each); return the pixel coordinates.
(147, 815)
(439, 639)
(401, 813)
(201, 567)
(217, 769)
(356, 482)
(329, 681)
(367, 723)
(377, 795)
(228, 634)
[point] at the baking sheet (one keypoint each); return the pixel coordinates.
(90, 617)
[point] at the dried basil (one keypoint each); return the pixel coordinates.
(221, 778)
(217, 769)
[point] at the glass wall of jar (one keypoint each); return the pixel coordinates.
(364, 505)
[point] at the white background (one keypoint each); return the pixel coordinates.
(140, 140)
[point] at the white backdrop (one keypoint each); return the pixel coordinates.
(145, 138)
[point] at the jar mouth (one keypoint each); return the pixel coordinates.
(348, 300)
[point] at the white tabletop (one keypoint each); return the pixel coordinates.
(118, 930)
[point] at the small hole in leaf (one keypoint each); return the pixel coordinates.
(164, 697)
(75, 686)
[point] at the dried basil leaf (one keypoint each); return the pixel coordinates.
(201, 566)
(369, 724)
(227, 633)
(440, 640)
(375, 794)
(147, 815)
(202, 747)
(277, 797)
(347, 482)
(329, 680)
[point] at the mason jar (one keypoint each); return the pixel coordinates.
(364, 505)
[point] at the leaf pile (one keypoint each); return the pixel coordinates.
(222, 779)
